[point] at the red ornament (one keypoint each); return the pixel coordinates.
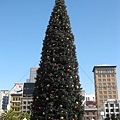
(75, 107)
(41, 72)
(62, 79)
(63, 95)
(56, 38)
(76, 80)
(52, 91)
(68, 70)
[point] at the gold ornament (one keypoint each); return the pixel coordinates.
(61, 118)
(47, 98)
(48, 85)
(70, 76)
(43, 113)
(77, 87)
(76, 102)
(72, 85)
(75, 115)
(37, 97)
(61, 105)
(67, 86)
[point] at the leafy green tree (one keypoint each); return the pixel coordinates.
(9, 115)
(57, 93)
(24, 115)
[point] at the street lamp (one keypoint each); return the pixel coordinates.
(24, 119)
(102, 114)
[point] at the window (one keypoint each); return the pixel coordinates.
(109, 88)
(106, 105)
(105, 96)
(100, 88)
(107, 110)
(105, 92)
(114, 96)
(100, 92)
(114, 92)
(114, 88)
(93, 113)
(117, 105)
(112, 111)
(103, 75)
(109, 84)
(113, 83)
(99, 80)
(100, 84)
(101, 101)
(117, 110)
(108, 80)
(109, 96)
(112, 75)
(104, 88)
(100, 96)
(111, 105)
(99, 76)
(104, 84)
(113, 80)
(108, 75)
(109, 92)
(104, 80)
(24, 102)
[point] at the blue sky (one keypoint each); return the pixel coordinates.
(95, 25)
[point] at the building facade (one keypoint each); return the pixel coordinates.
(4, 100)
(27, 97)
(111, 107)
(16, 102)
(91, 111)
(105, 83)
(89, 97)
(33, 73)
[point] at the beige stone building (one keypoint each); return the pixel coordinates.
(16, 102)
(105, 83)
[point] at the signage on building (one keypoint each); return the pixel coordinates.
(18, 87)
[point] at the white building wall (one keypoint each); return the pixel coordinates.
(3, 93)
(89, 97)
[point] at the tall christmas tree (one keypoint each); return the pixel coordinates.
(57, 89)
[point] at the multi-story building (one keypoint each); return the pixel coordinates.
(90, 97)
(91, 111)
(33, 72)
(16, 98)
(4, 100)
(16, 102)
(27, 97)
(105, 83)
(111, 107)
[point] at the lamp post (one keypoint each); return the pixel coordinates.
(24, 119)
(102, 114)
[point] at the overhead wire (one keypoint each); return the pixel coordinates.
(18, 81)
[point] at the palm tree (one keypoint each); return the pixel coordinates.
(9, 115)
(24, 115)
